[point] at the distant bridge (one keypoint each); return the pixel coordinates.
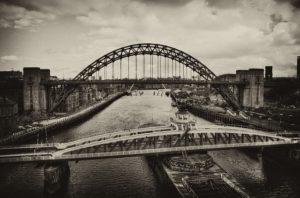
(143, 81)
(169, 62)
(144, 141)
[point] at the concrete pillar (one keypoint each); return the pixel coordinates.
(34, 92)
(45, 76)
(252, 95)
(56, 175)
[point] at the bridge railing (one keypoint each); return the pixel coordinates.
(122, 132)
(284, 133)
(251, 127)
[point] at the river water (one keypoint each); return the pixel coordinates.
(132, 176)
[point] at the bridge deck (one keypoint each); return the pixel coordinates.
(142, 81)
(29, 146)
(146, 141)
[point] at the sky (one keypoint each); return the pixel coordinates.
(67, 35)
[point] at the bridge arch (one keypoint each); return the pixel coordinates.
(147, 49)
(150, 49)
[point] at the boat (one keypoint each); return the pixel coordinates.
(183, 121)
(196, 162)
(192, 163)
(195, 174)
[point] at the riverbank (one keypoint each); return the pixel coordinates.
(220, 115)
(286, 155)
(51, 125)
(217, 117)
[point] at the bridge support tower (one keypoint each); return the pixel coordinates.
(252, 94)
(34, 92)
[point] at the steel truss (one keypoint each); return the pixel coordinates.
(170, 142)
(150, 49)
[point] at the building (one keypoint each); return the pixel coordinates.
(268, 72)
(81, 96)
(71, 103)
(226, 77)
(11, 87)
(8, 116)
(10, 75)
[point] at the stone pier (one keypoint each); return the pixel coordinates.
(56, 175)
(34, 92)
(252, 95)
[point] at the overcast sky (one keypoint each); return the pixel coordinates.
(67, 35)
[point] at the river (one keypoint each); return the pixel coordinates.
(132, 176)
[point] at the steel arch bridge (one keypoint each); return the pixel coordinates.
(148, 49)
(146, 141)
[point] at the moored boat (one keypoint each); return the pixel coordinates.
(183, 121)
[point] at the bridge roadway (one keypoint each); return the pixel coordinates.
(142, 81)
(144, 141)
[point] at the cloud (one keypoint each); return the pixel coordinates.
(32, 5)
(9, 58)
(172, 3)
(94, 19)
(295, 3)
(239, 34)
(226, 35)
(223, 4)
(18, 17)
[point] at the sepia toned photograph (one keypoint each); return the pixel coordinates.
(149, 98)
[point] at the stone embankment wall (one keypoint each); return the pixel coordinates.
(60, 123)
